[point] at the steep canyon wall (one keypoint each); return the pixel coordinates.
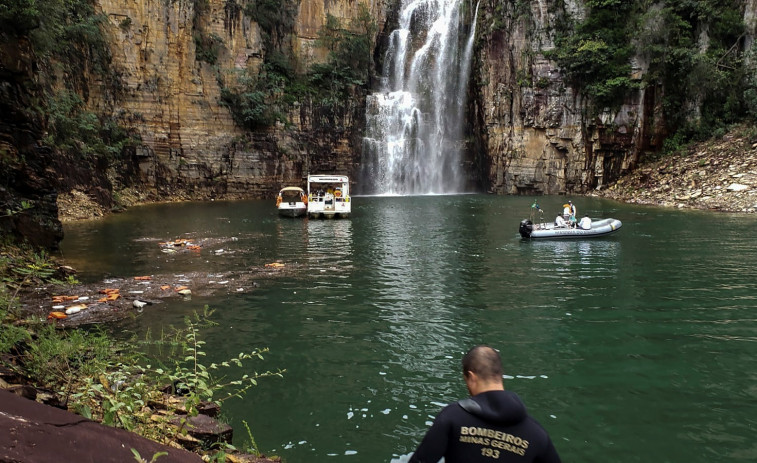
(190, 145)
(529, 130)
(535, 134)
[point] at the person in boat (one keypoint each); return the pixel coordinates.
(569, 213)
(560, 221)
(491, 425)
(585, 223)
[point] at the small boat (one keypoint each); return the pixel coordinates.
(329, 196)
(292, 202)
(599, 227)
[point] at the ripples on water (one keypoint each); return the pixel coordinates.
(638, 347)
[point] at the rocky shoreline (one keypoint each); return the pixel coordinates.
(720, 175)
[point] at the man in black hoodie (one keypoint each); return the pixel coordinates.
(490, 426)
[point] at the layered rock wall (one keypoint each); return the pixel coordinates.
(190, 145)
(535, 134)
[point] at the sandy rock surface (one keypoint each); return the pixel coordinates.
(720, 175)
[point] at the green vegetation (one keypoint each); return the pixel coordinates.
(595, 53)
(73, 129)
(67, 36)
(257, 101)
(109, 381)
(66, 29)
(275, 18)
(207, 47)
(260, 101)
(349, 62)
(692, 49)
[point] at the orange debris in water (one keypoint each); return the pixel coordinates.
(165, 287)
(275, 265)
(111, 294)
(194, 247)
(57, 315)
(59, 299)
(143, 278)
(179, 288)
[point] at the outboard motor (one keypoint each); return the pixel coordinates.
(526, 227)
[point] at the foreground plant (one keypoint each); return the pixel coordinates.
(125, 394)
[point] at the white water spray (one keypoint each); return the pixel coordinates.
(414, 125)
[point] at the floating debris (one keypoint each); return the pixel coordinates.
(75, 308)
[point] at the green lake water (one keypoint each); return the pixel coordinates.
(638, 347)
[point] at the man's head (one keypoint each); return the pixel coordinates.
(482, 370)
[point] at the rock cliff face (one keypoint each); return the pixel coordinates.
(27, 192)
(190, 144)
(529, 130)
(535, 134)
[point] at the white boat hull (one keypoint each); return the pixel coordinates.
(292, 210)
(599, 227)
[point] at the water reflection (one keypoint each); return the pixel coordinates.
(634, 338)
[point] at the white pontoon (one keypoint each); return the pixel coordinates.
(329, 196)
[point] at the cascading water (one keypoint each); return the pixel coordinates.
(414, 124)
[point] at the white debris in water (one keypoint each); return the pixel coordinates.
(350, 452)
(553, 416)
(404, 417)
(401, 458)
(386, 411)
(543, 376)
(382, 373)
(413, 406)
(350, 415)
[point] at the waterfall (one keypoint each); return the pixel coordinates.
(414, 124)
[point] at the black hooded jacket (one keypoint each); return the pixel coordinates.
(489, 427)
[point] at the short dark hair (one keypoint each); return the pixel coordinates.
(484, 361)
